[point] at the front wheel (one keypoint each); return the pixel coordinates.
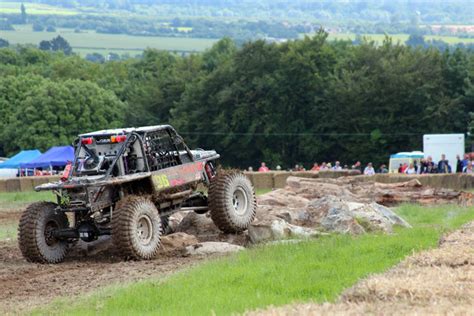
(136, 228)
(232, 201)
(35, 233)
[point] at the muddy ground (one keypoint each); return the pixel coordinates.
(433, 282)
(27, 285)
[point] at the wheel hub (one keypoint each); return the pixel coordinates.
(144, 229)
(50, 227)
(240, 201)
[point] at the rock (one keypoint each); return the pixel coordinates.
(277, 228)
(338, 215)
(177, 241)
(198, 225)
(211, 247)
(175, 219)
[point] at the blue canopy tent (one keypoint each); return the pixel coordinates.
(55, 157)
(22, 157)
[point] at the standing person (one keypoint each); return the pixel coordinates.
(431, 168)
(410, 169)
(357, 166)
(383, 169)
(468, 168)
(443, 165)
(465, 161)
(315, 167)
(459, 164)
(263, 168)
(404, 167)
(400, 168)
(369, 170)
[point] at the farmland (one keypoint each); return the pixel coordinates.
(90, 41)
(36, 9)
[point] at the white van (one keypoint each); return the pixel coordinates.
(451, 145)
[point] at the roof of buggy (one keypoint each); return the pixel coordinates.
(127, 130)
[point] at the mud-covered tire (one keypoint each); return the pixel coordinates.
(232, 201)
(136, 228)
(34, 233)
(165, 225)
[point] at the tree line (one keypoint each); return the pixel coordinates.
(295, 102)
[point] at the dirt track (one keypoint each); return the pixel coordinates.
(26, 285)
(434, 282)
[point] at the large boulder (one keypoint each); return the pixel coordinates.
(211, 248)
(200, 225)
(338, 215)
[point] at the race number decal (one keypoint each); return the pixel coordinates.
(161, 181)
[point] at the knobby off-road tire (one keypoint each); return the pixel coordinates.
(35, 233)
(232, 201)
(136, 228)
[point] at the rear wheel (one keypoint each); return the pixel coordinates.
(232, 201)
(35, 233)
(136, 228)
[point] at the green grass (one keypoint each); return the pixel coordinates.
(11, 200)
(90, 41)
(317, 270)
(8, 231)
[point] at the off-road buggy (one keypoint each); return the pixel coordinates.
(126, 183)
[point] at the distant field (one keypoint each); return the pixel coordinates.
(400, 37)
(87, 42)
(35, 8)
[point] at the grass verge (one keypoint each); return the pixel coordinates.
(11, 200)
(317, 270)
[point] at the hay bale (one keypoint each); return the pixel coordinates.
(13, 185)
(279, 179)
(263, 180)
(305, 174)
(3, 186)
(26, 184)
(39, 180)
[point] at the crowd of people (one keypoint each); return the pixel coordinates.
(422, 166)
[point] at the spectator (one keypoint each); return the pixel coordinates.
(466, 161)
(357, 166)
(410, 169)
(346, 167)
(337, 166)
(443, 165)
(278, 168)
(468, 168)
(324, 166)
(250, 169)
(329, 166)
(383, 169)
(263, 168)
(315, 167)
(431, 167)
(404, 167)
(459, 164)
(369, 170)
(400, 168)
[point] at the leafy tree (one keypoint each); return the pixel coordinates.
(51, 113)
(23, 15)
(45, 45)
(50, 28)
(4, 43)
(37, 27)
